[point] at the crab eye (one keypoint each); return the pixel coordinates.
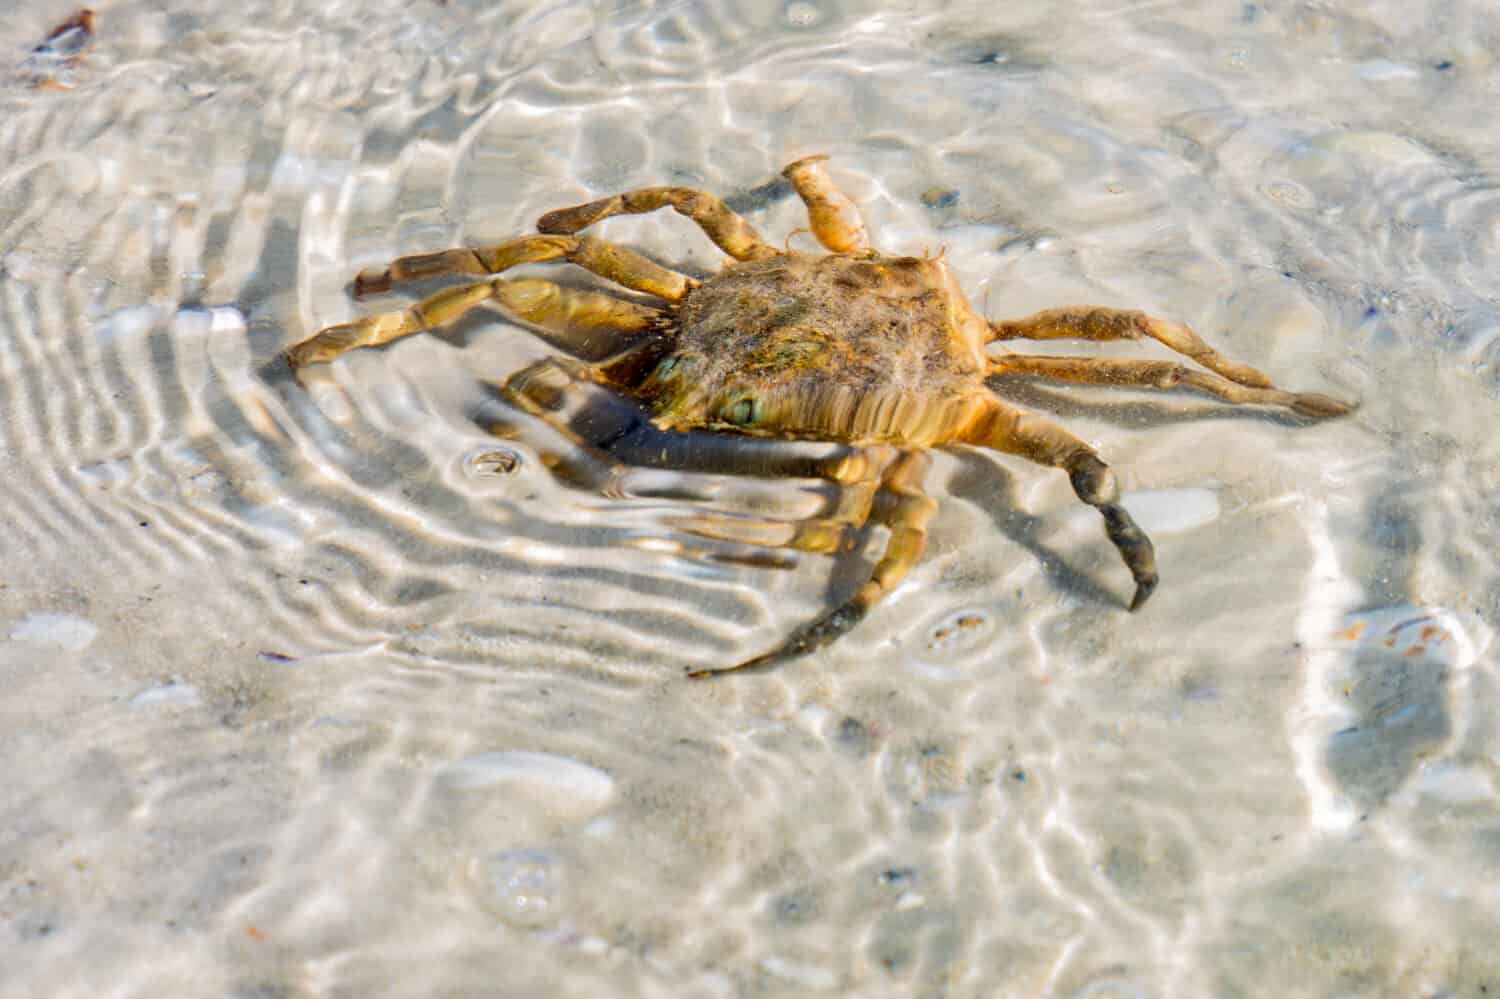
(743, 412)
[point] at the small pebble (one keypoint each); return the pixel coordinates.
(940, 197)
(802, 14)
(525, 887)
(593, 946)
(896, 876)
(1168, 511)
(542, 773)
(1385, 69)
(55, 630)
(804, 976)
(961, 631)
(167, 693)
(495, 463)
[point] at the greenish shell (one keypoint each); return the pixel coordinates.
(857, 348)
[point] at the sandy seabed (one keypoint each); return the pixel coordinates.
(320, 689)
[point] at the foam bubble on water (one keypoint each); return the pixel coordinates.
(492, 462)
(54, 630)
(524, 887)
(801, 14)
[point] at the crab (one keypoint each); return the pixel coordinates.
(881, 356)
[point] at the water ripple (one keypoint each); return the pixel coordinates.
(309, 684)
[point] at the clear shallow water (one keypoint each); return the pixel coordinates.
(309, 694)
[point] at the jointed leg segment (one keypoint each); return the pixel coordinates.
(1014, 431)
(541, 302)
(571, 315)
(1097, 323)
(729, 231)
(857, 479)
(1163, 375)
(616, 263)
(834, 218)
(1226, 378)
(905, 509)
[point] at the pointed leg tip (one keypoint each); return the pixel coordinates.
(759, 664)
(297, 358)
(801, 164)
(371, 282)
(551, 224)
(1321, 407)
(803, 641)
(567, 221)
(1143, 590)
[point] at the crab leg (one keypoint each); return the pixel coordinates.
(906, 510)
(820, 535)
(1089, 322)
(579, 319)
(1163, 375)
(616, 263)
(857, 478)
(1005, 428)
(835, 219)
(729, 231)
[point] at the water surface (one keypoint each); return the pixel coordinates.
(324, 690)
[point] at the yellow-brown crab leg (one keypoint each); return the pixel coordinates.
(857, 477)
(1163, 375)
(905, 509)
(729, 231)
(622, 266)
(1005, 428)
(1089, 322)
(820, 535)
(576, 318)
(834, 218)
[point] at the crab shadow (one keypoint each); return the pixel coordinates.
(982, 480)
(621, 431)
(611, 429)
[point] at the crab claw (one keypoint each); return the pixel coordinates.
(835, 220)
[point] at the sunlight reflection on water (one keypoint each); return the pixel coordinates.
(311, 686)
